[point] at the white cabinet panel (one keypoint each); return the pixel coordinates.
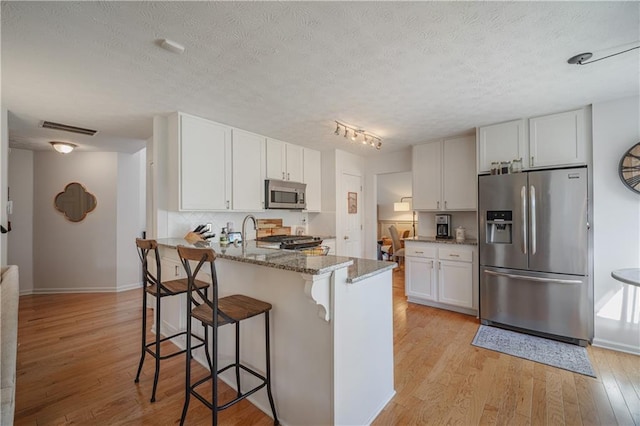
(455, 282)
(444, 175)
(557, 139)
(420, 277)
(427, 175)
(501, 142)
(312, 176)
(284, 161)
(248, 171)
(204, 163)
(459, 179)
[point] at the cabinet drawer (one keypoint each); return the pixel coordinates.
(456, 254)
(419, 251)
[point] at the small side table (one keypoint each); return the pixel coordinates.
(627, 276)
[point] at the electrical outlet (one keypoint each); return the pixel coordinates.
(207, 227)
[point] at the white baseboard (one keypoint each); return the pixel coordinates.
(615, 346)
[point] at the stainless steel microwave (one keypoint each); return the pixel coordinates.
(283, 194)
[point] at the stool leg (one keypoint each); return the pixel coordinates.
(187, 390)
(144, 333)
(268, 356)
(214, 378)
(157, 351)
(238, 359)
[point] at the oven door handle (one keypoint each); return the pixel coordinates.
(529, 278)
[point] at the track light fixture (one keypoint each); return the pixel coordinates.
(367, 137)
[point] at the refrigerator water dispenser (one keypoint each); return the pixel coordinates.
(499, 226)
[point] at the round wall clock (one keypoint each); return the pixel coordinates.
(629, 168)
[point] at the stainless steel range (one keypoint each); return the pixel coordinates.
(292, 242)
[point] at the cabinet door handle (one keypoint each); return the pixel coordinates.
(283, 178)
(346, 237)
(177, 272)
(439, 265)
(445, 204)
(227, 204)
(454, 255)
(420, 252)
(531, 162)
(438, 205)
(288, 176)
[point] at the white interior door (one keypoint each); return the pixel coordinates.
(351, 207)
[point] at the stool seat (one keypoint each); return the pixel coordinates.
(173, 287)
(231, 309)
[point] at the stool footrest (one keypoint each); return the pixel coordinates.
(152, 352)
(242, 396)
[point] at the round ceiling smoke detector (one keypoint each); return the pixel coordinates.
(579, 59)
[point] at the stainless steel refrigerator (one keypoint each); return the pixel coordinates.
(534, 254)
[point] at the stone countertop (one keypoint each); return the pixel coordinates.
(364, 268)
(467, 241)
(290, 260)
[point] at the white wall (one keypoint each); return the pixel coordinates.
(393, 162)
(130, 218)
(391, 188)
(4, 160)
(616, 222)
(75, 256)
(20, 239)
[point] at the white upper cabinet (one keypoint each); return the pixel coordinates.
(427, 176)
(501, 142)
(459, 179)
(557, 139)
(284, 161)
(248, 152)
(444, 175)
(200, 156)
(551, 140)
(312, 177)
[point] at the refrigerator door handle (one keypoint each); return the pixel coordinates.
(528, 278)
(523, 198)
(532, 194)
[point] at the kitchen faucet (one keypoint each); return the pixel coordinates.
(244, 226)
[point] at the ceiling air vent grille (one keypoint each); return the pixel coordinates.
(67, 128)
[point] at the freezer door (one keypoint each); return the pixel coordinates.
(504, 193)
(545, 303)
(558, 221)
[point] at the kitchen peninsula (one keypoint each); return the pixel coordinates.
(331, 329)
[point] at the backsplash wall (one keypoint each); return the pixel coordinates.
(468, 220)
(179, 223)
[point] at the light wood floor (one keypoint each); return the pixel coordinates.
(78, 356)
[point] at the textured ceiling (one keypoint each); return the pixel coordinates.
(408, 72)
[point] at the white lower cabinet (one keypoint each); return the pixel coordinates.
(442, 275)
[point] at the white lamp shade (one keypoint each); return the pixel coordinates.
(401, 207)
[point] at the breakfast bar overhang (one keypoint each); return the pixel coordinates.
(331, 327)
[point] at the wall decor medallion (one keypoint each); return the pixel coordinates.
(75, 202)
(629, 168)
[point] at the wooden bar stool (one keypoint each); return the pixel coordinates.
(214, 314)
(151, 284)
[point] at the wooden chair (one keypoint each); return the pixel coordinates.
(216, 313)
(151, 283)
(396, 245)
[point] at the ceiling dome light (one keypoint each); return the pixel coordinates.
(63, 147)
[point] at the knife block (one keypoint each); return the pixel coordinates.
(193, 238)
